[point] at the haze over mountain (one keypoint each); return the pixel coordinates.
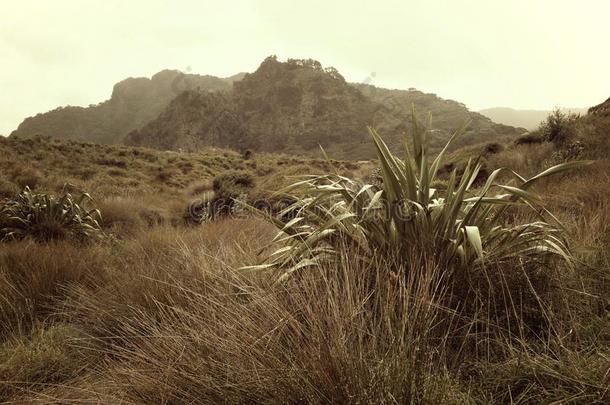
(292, 107)
(134, 102)
(529, 119)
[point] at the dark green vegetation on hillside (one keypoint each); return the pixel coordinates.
(297, 105)
(160, 313)
(282, 107)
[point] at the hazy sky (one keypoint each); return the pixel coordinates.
(485, 53)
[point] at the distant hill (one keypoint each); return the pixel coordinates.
(529, 119)
(297, 105)
(133, 103)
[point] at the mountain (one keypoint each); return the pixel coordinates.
(283, 107)
(297, 105)
(529, 119)
(289, 107)
(133, 103)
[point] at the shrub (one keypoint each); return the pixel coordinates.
(570, 151)
(228, 187)
(247, 154)
(492, 148)
(45, 217)
(559, 127)
(27, 176)
(404, 219)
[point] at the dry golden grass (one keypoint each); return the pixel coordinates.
(107, 170)
(160, 313)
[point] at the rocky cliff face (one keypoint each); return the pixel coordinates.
(297, 106)
(194, 119)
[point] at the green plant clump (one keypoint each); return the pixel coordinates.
(45, 217)
(404, 219)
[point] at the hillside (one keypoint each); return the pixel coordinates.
(601, 110)
(529, 119)
(159, 182)
(297, 105)
(133, 103)
(447, 116)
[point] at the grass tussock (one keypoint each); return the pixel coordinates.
(230, 337)
(34, 278)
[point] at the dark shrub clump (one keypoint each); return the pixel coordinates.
(229, 186)
(529, 139)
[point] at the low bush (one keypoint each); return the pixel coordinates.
(27, 176)
(492, 148)
(529, 138)
(228, 187)
(45, 217)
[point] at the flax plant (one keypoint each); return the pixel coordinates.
(404, 217)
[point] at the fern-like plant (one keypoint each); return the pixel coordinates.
(403, 218)
(45, 217)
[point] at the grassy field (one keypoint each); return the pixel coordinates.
(160, 312)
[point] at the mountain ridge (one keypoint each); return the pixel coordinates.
(297, 106)
(290, 107)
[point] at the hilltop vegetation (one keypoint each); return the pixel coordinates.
(283, 107)
(136, 185)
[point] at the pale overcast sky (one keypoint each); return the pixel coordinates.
(532, 54)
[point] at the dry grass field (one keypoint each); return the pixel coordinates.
(159, 311)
